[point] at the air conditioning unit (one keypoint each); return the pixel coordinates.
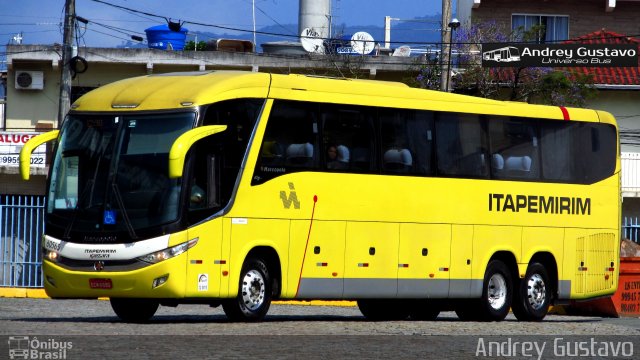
(29, 80)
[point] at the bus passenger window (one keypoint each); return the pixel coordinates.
(599, 161)
(406, 141)
(514, 147)
(461, 145)
(558, 150)
(348, 131)
(396, 157)
(290, 141)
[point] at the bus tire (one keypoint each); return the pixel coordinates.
(254, 293)
(497, 292)
(424, 310)
(134, 310)
(383, 309)
(534, 294)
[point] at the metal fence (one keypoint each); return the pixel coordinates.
(631, 228)
(21, 228)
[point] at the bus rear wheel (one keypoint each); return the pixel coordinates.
(383, 309)
(134, 310)
(254, 293)
(534, 294)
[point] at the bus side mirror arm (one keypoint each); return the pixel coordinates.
(184, 142)
(29, 147)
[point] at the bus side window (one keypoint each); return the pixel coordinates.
(558, 148)
(461, 145)
(394, 141)
(420, 134)
(595, 149)
(514, 148)
(349, 130)
(290, 141)
(206, 190)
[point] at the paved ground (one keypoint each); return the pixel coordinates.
(293, 331)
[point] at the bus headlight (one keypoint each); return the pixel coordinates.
(168, 253)
(51, 255)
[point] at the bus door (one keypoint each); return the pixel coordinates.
(205, 262)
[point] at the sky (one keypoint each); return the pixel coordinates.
(39, 20)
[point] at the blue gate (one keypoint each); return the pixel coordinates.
(21, 228)
(631, 229)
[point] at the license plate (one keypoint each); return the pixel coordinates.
(100, 283)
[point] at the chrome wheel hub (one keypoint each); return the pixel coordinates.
(497, 291)
(253, 290)
(536, 292)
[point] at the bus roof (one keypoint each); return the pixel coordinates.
(191, 89)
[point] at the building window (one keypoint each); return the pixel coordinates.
(552, 27)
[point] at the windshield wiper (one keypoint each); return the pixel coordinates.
(127, 222)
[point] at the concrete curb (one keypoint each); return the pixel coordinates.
(316, 302)
(23, 293)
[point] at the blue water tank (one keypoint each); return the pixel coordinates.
(160, 36)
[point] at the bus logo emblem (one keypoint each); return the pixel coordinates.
(292, 198)
(98, 265)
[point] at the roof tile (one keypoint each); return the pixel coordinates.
(609, 75)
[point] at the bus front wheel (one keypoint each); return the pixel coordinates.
(134, 310)
(534, 295)
(254, 293)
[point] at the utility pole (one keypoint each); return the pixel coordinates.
(65, 70)
(445, 41)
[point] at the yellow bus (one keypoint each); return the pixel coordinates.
(236, 188)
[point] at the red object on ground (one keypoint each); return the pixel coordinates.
(627, 297)
(625, 301)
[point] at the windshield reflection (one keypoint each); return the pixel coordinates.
(110, 173)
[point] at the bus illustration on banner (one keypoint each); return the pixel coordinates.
(504, 54)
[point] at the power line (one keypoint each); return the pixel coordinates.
(228, 28)
(129, 9)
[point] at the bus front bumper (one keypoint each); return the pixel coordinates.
(165, 279)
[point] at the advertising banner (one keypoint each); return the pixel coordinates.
(559, 55)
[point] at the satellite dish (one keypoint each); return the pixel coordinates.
(362, 43)
(312, 41)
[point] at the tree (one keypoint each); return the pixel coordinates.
(191, 45)
(542, 85)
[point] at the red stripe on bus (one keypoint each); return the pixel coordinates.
(565, 112)
(304, 254)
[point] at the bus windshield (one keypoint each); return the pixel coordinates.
(110, 174)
